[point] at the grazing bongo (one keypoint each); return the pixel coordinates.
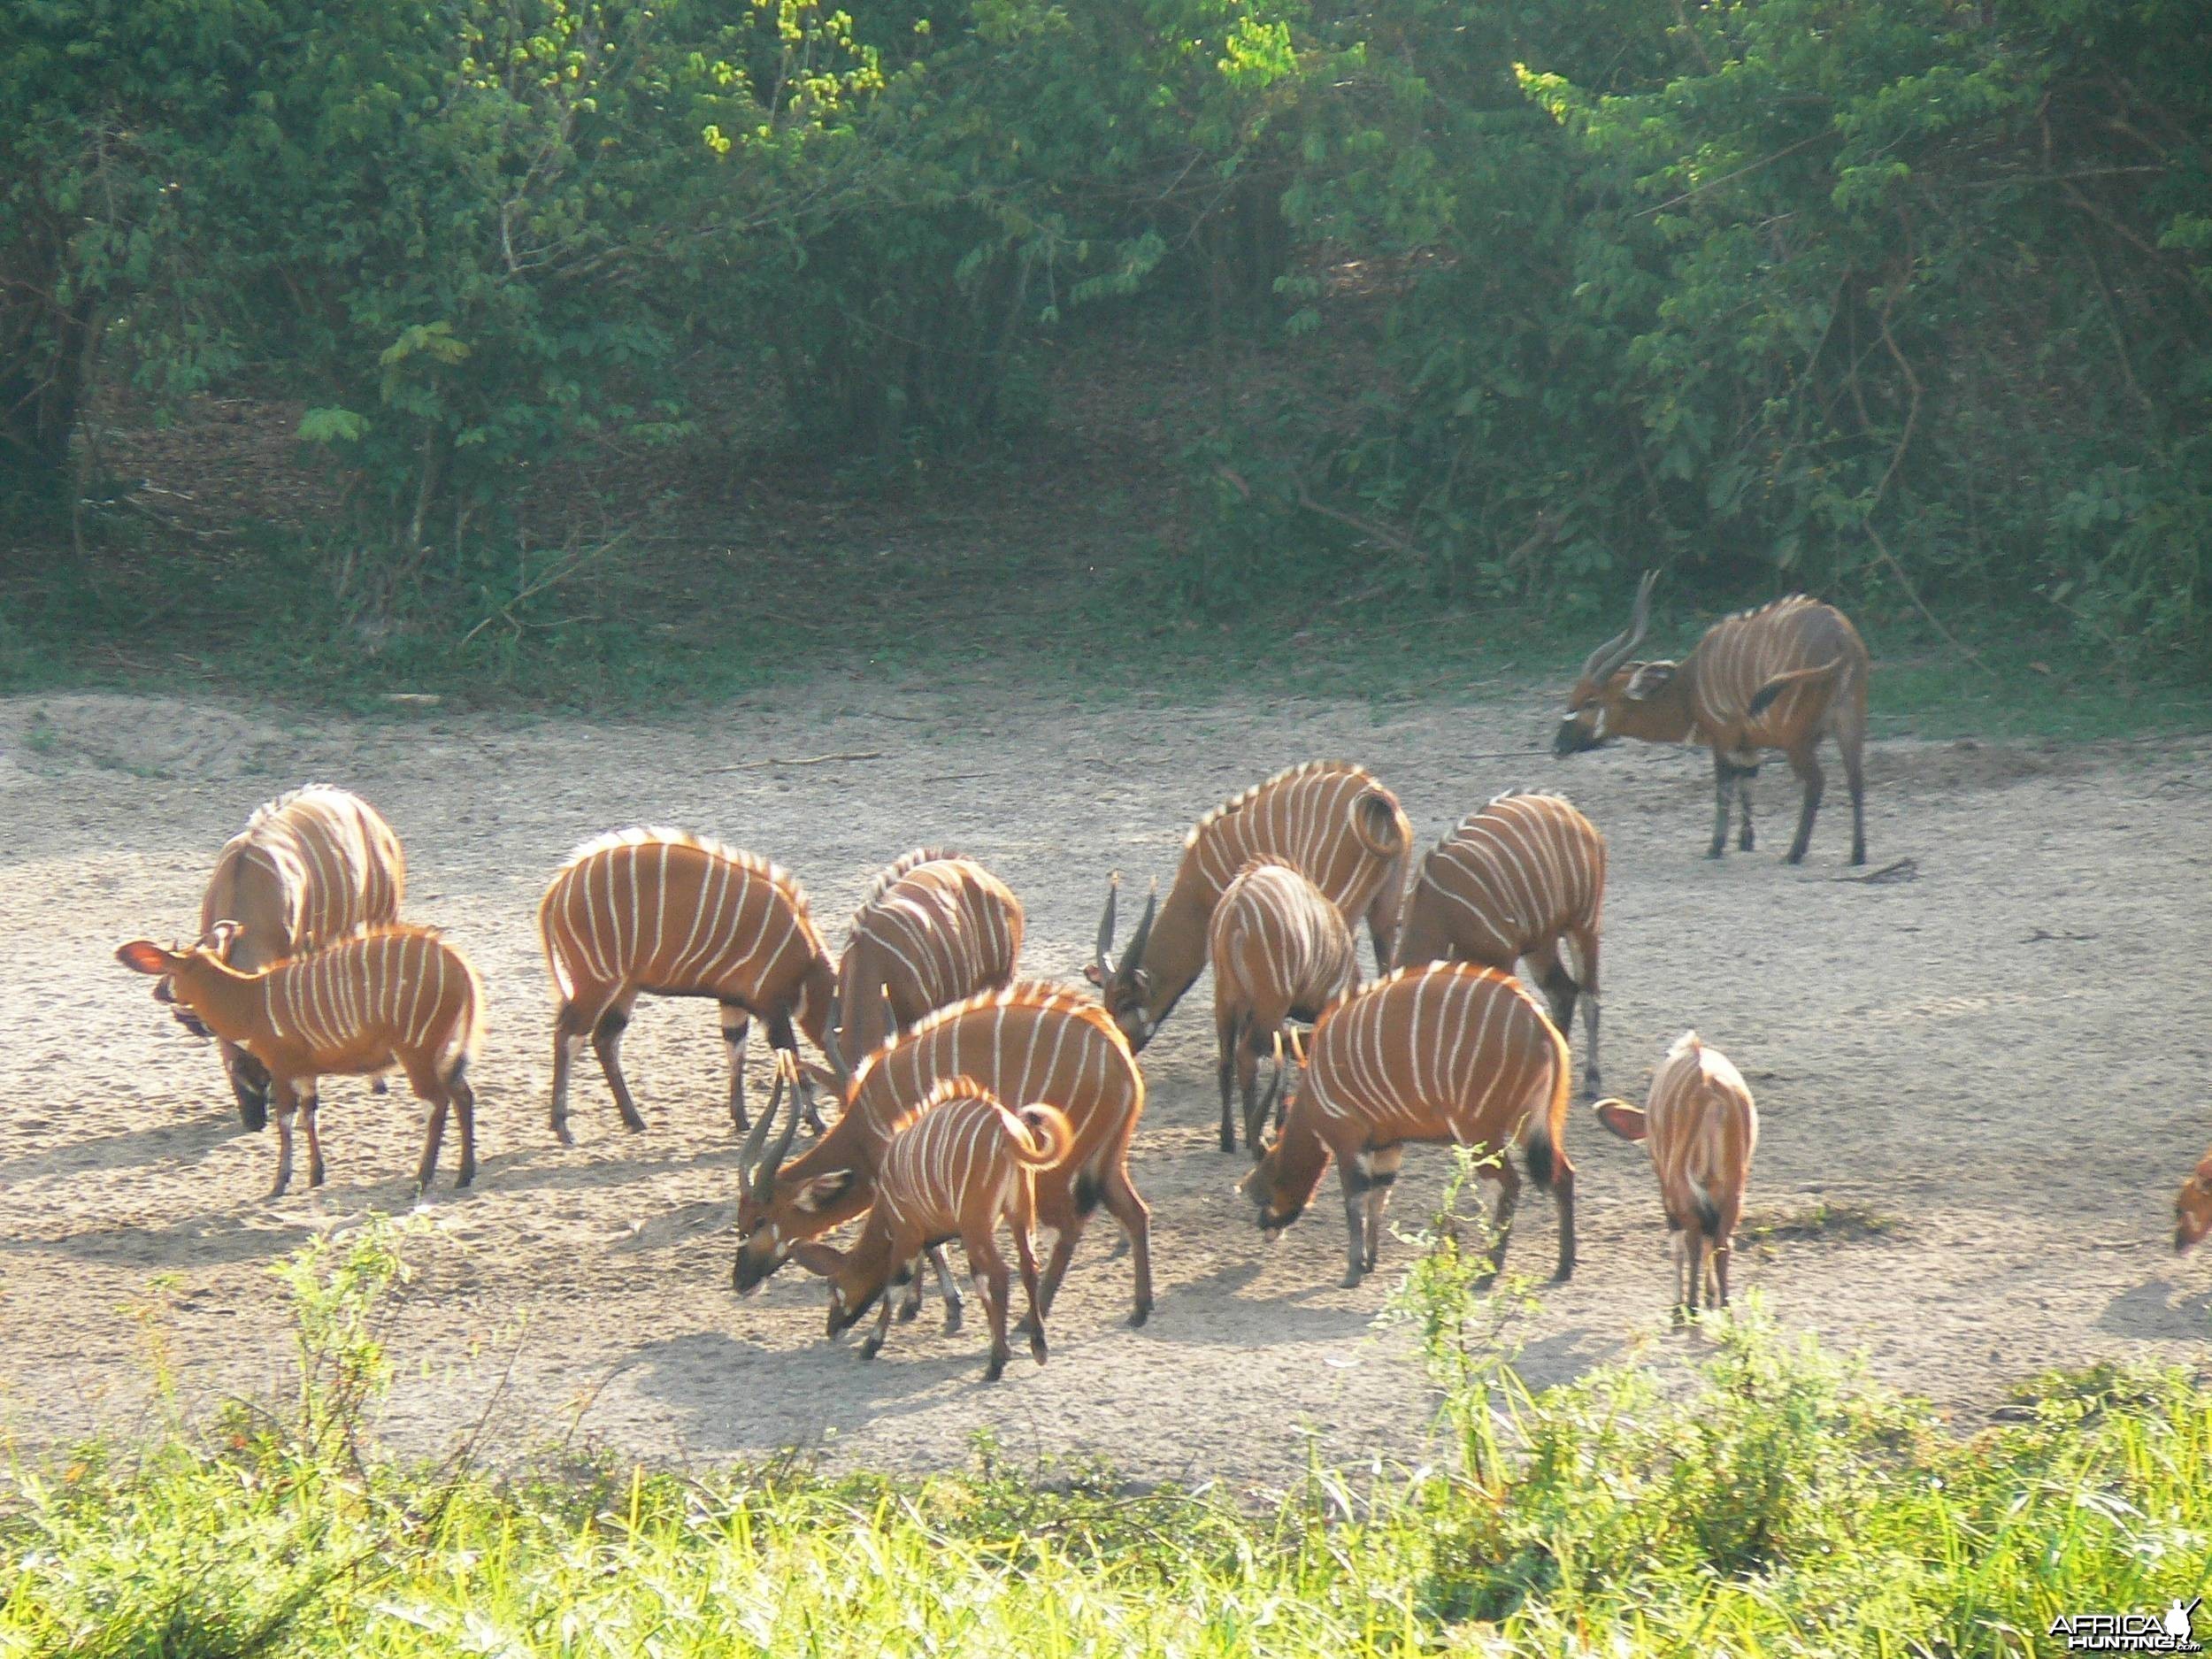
(954, 1170)
(1782, 677)
(1517, 880)
(310, 867)
(658, 910)
(1701, 1127)
(394, 996)
(935, 927)
(2193, 1207)
(1450, 1052)
(1330, 821)
(1279, 951)
(1031, 1041)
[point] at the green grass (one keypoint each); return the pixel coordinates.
(920, 594)
(1780, 1504)
(1841, 1222)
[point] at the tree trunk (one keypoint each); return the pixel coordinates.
(43, 360)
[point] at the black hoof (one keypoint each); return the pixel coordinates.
(1141, 1316)
(1037, 1346)
(995, 1370)
(1717, 852)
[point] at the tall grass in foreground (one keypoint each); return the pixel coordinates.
(1781, 1505)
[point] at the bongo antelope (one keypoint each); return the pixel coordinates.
(1448, 1052)
(934, 927)
(394, 996)
(1330, 821)
(310, 867)
(658, 910)
(1701, 1127)
(2193, 1207)
(1782, 678)
(1031, 1042)
(955, 1169)
(1513, 881)
(1279, 951)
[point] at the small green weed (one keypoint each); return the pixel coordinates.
(1842, 1222)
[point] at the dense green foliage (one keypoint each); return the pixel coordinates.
(1778, 1505)
(1910, 300)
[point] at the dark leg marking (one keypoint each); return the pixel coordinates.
(737, 1029)
(1724, 780)
(1807, 765)
(606, 1043)
(465, 1108)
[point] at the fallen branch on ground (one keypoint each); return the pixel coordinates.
(1903, 870)
(809, 760)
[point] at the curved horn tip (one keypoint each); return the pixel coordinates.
(749, 1156)
(1139, 939)
(1104, 948)
(1601, 664)
(773, 1162)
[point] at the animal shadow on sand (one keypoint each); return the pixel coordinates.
(1564, 1356)
(1193, 1312)
(184, 1141)
(2158, 1308)
(739, 1397)
(526, 1169)
(703, 1221)
(210, 1238)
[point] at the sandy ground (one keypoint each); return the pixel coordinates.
(2003, 1056)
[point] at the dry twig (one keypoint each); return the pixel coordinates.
(809, 760)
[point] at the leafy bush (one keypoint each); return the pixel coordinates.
(1873, 297)
(1903, 299)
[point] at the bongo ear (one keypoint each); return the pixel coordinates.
(143, 956)
(1624, 1120)
(816, 1257)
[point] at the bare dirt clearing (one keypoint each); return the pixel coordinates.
(2004, 1057)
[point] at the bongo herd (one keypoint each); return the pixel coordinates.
(950, 1092)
